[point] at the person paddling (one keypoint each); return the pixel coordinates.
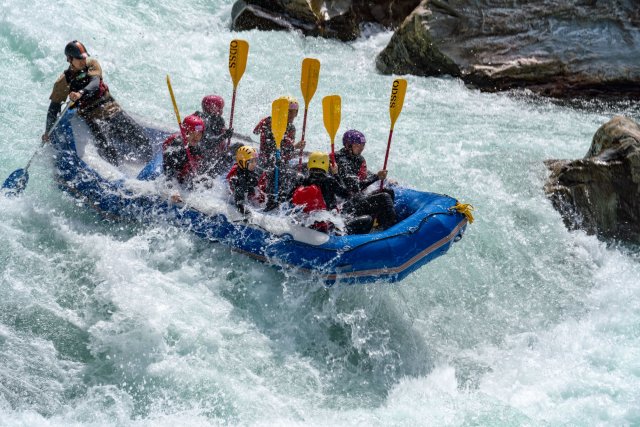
(82, 82)
(320, 190)
(352, 169)
(182, 162)
(288, 150)
(216, 156)
(244, 180)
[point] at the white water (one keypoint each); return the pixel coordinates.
(521, 323)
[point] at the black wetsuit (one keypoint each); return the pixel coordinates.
(217, 158)
(352, 169)
(175, 161)
(243, 184)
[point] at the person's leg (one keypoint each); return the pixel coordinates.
(381, 207)
(270, 190)
(378, 205)
(359, 225)
(135, 141)
(100, 131)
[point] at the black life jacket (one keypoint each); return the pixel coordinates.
(78, 80)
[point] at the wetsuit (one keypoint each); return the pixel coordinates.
(331, 188)
(244, 186)
(217, 158)
(352, 169)
(111, 126)
(179, 162)
(267, 160)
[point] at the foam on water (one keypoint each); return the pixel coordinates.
(521, 323)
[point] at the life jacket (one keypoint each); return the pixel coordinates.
(191, 165)
(362, 173)
(233, 172)
(78, 80)
(310, 198)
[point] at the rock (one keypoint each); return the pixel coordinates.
(339, 19)
(552, 47)
(601, 193)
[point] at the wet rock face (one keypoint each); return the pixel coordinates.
(601, 193)
(339, 19)
(560, 48)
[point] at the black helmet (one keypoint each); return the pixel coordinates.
(75, 49)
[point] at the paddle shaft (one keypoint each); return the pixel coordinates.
(182, 132)
(304, 129)
(333, 153)
(53, 127)
(276, 175)
(386, 156)
(233, 108)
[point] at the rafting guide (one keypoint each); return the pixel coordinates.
(117, 134)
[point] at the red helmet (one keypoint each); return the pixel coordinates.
(212, 104)
(193, 123)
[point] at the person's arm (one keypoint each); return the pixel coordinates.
(92, 87)
(367, 182)
(348, 180)
(95, 72)
(52, 115)
(240, 194)
(370, 178)
(174, 158)
(338, 186)
(58, 96)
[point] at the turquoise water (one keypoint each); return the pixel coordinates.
(521, 323)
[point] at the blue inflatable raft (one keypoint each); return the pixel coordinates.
(428, 225)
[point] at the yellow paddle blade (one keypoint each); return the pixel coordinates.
(331, 106)
(309, 78)
(279, 119)
(398, 89)
(173, 100)
(238, 52)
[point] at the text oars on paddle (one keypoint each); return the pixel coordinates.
(308, 85)
(238, 53)
(396, 101)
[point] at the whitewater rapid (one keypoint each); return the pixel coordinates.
(102, 323)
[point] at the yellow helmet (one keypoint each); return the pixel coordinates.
(293, 103)
(318, 160)
(244, 154)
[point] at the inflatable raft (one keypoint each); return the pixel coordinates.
(429, 223)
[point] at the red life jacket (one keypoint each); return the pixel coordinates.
(231, 174)
(267, 142)
(310, 198)
(362, 173)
